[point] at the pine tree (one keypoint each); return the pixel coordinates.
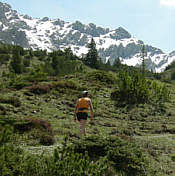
(68, 53)
(55, 62)
(143, 60)
(91, 58)
(117, 63)
(16, 63)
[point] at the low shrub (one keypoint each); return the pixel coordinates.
(63, 162)
(135, 88)
(6, 133)
(41, 130)
(39, 89)
(2, 110)
(15, 101)
(17, 81)
(22, 126)
(46, 139)
(66, 84)
(123, 153)
(102, 76)
(36, 74)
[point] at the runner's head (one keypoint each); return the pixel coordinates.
(85, 93)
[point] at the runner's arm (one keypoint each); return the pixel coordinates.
(75, 111)
(91, 109)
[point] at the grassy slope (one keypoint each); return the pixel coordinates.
(152, 128)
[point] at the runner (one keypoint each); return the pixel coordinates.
(81, 111)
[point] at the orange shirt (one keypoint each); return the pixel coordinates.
(83, 104)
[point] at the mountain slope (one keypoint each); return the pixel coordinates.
(47, 34)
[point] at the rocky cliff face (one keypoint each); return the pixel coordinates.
(47, 34)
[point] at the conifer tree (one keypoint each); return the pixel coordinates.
(117, 63)
(143, 60)
(16, 63)
(68, 53)
(91, 58)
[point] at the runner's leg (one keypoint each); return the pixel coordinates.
(82, 127)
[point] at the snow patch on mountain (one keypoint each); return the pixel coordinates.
(132, 61)
(47, 34)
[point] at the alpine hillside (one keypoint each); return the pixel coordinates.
(53, 34)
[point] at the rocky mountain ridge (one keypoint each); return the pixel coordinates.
(48, 34)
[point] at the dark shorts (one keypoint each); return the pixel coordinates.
(82, 115)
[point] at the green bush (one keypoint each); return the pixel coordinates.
(137, 89)
(159, 92)
(41, 130)
(63, 162)
(6, 133)
(15, 101)
(67, 85)
(36, 74)
(39, 89)
(17, 81)
(102, 76)
(124, 155)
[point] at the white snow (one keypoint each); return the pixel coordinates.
(107, 41)
(39, 33)
(66, 29)
(4, 27)
(132, 61)
(169, 61)
(79, 50)
(8, 14)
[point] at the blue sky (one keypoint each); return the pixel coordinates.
(152, 21)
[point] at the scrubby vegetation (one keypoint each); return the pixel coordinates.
(133, 128)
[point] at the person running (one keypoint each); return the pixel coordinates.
(81, 111)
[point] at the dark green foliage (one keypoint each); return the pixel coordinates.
(62, 63)
(143, 60)
(132, 89)
(4, 58)
(5, 132)
(136, 89)
(37, 74)
(39, 89)
(69, 54)
(40, 129)
(16, 63)
(102, 76)
(17, 81)
(23, 126)
(10, 157)
(39, 53)
(159, 92)
(45, 133)
(64, 162)
(65, 84)
(46, 139)
(15, 101)
(18, 49)
(129, 158)
(173, 74)
(117, 63)
(26, 62)
(4, 48)
(2, 110)
(124, 154)
(172, 65)
(91, 58)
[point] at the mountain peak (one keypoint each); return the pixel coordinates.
(57, 34)
(5, 5)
